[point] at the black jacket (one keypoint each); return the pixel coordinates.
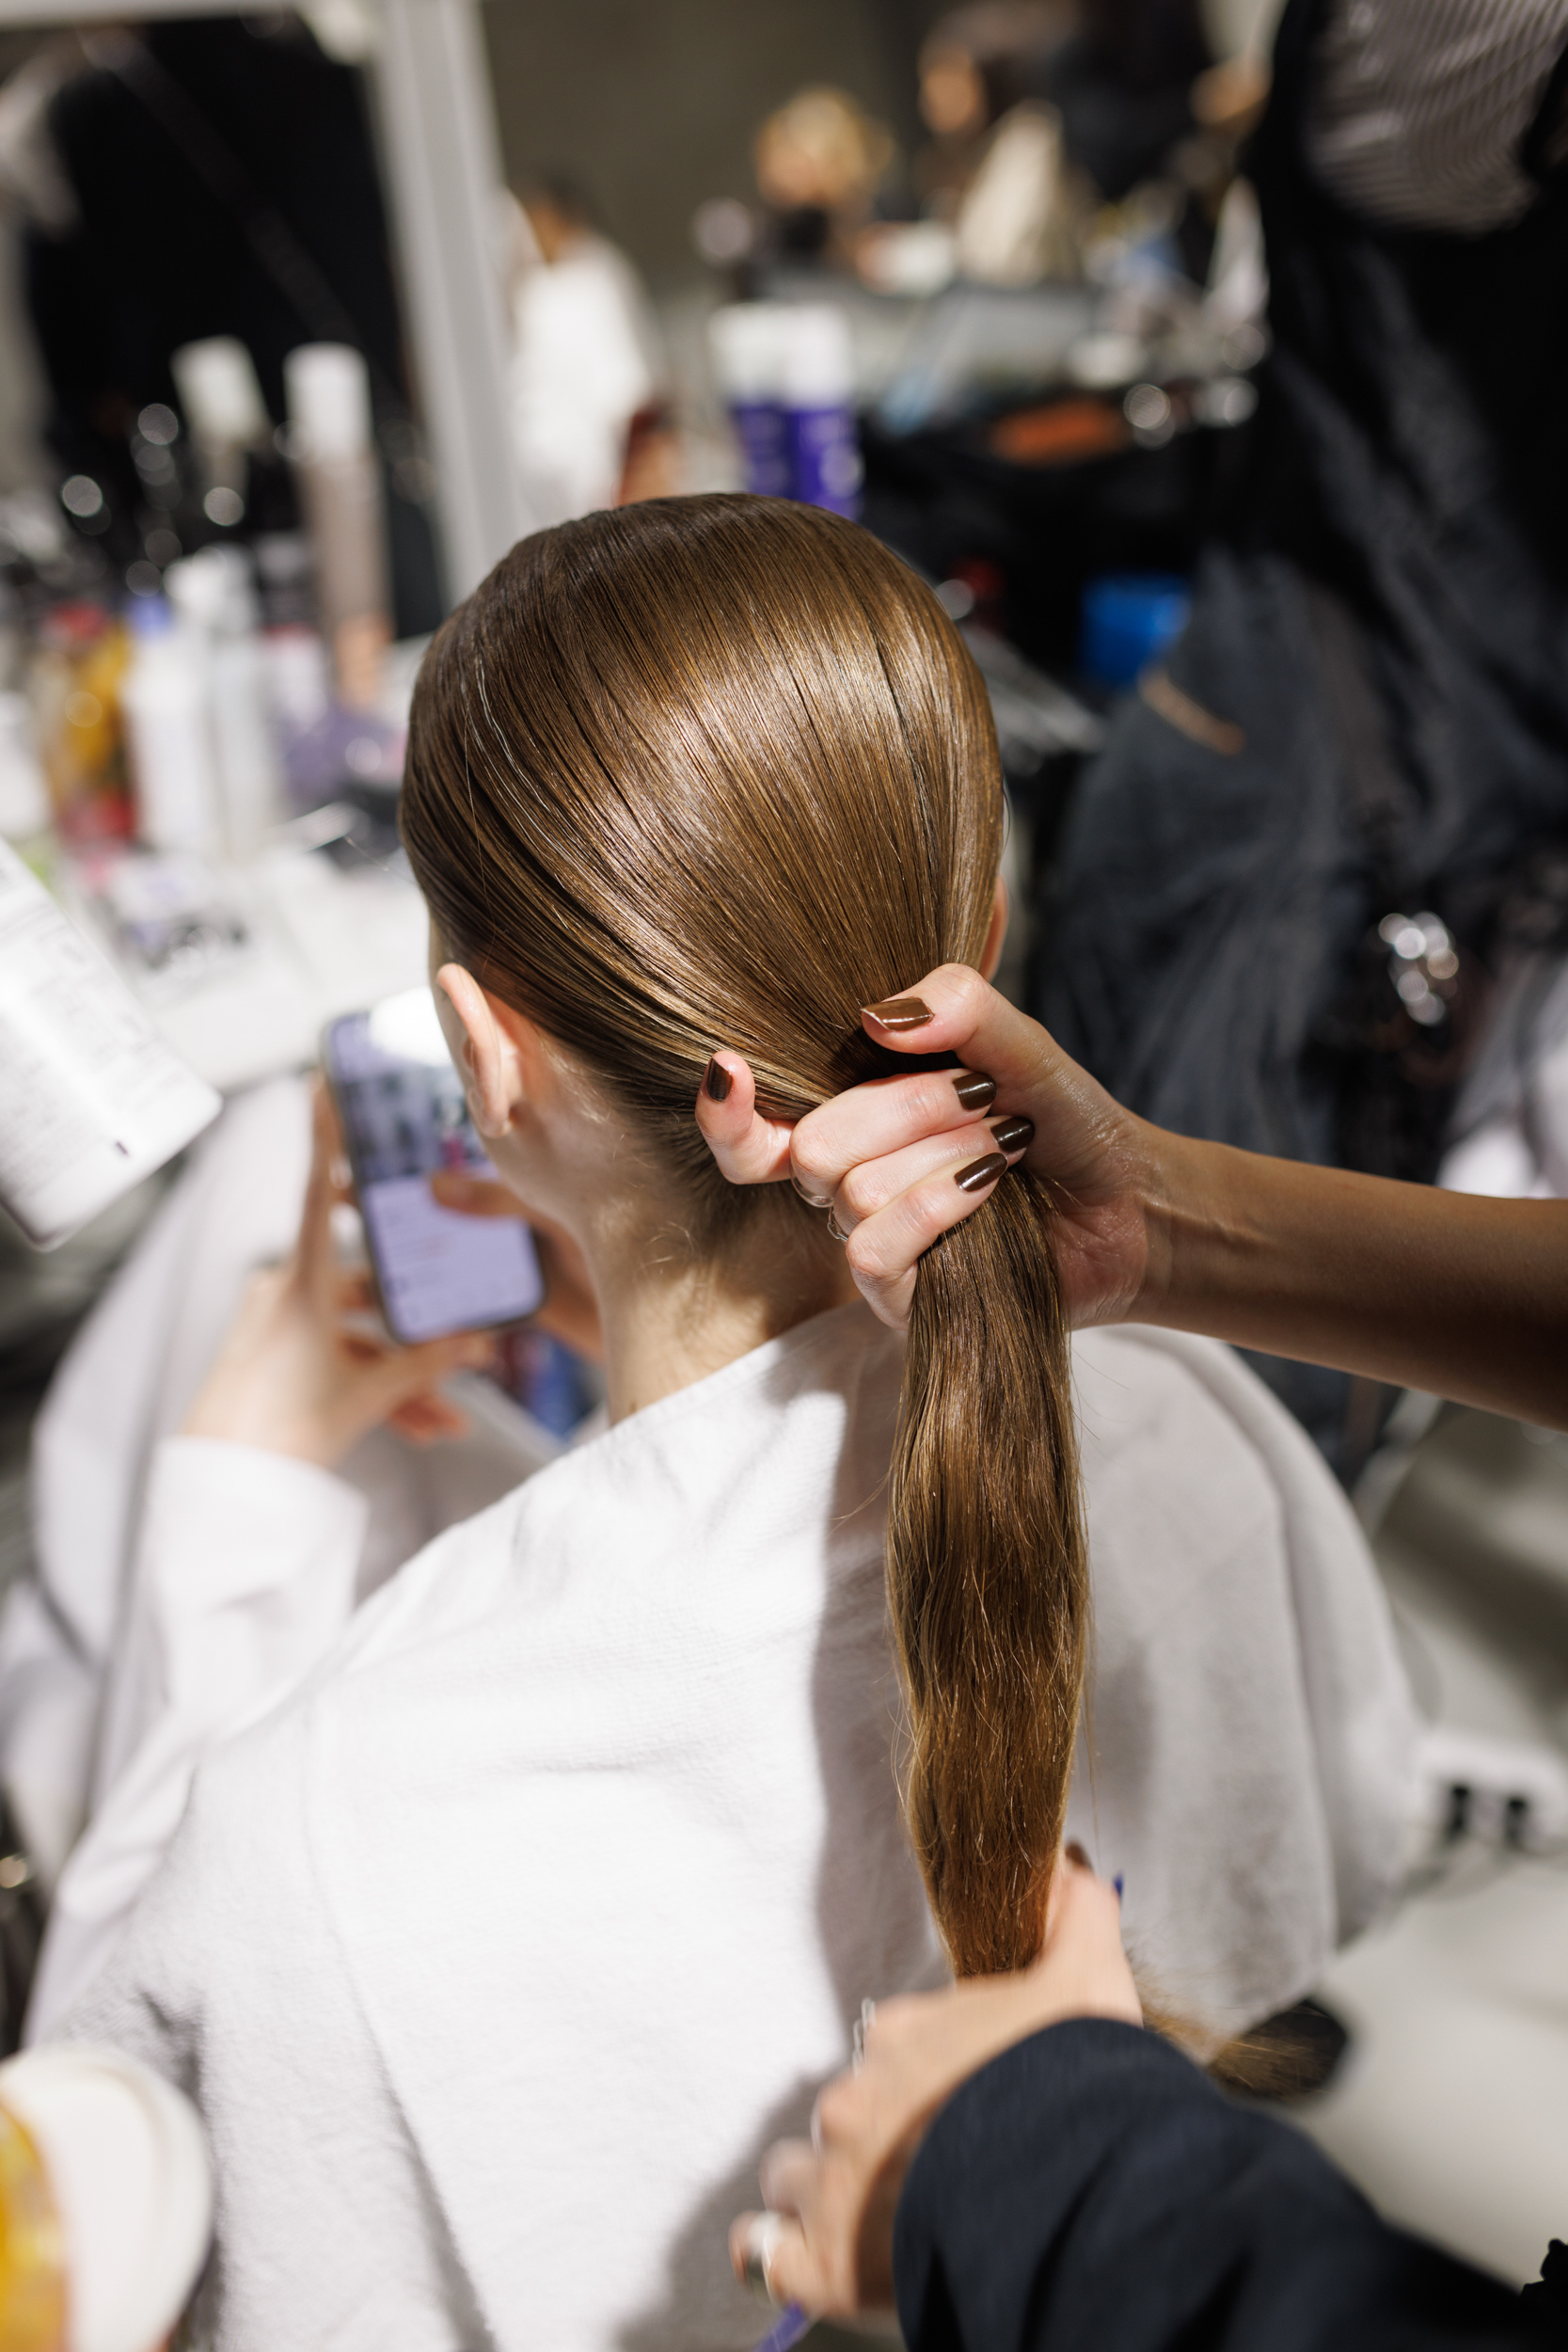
(1092, 2191)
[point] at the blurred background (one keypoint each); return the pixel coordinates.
(305, 317)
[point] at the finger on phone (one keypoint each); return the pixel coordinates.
(884, 1116)
(315, 1253)
(749, 1149)
(356, 1292)
(474, 1196)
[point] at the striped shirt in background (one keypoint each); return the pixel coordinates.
(1421, 107)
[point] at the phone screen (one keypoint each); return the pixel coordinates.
(403, 1117)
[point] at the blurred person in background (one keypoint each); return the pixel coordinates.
(586, 363)
(821, 161)
(1119, 73)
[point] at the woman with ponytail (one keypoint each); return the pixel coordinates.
(558, 1887)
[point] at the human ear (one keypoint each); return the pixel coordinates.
(991, 955)
(484, 1049)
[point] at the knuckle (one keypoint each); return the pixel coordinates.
(864, 1254)
(920, 1217)
(811, 1154)
(859, 1192)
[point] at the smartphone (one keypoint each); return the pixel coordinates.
(403, 1117)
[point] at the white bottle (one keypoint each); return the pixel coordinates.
(332, 448)
(92, 1098)
(164, 696)
(220, 395)
(215, 596)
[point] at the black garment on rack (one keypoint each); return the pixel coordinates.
(1381, 628)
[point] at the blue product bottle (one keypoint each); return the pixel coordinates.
(818, 385)
(745, 338)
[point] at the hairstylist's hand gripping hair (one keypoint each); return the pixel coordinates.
(295, 1377)
(1464, 1296)
(826, 2242)
(900, 1160)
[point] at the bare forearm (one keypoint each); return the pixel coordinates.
(1464, 1296)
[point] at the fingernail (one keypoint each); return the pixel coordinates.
(979, 1173)
(974, 1089)
(1011, 1135)
(716, 1082)
(900, 1012)
(1075, 1852)
(1117, 1884)
(762, 2236)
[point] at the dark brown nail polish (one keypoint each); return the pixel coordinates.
(1011, 1135)
(979, 1173)
(716, 1082)
(974, 1089)
(900, 1012)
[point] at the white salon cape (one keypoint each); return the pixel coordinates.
(497, 1955)
(80, 1672)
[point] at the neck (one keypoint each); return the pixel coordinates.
(668, 1323)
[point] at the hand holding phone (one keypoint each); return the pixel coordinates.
(571, 1309)
(437, 1270)
(293, 1375)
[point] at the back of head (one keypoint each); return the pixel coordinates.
(719, 771)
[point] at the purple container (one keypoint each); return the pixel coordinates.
(824, 458)
(762, 431)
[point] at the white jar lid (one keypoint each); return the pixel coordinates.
(129, 2174)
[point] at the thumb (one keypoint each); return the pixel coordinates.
(749, 1150)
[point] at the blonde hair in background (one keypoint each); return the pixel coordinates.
(718, 770)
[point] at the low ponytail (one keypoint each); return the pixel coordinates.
(988, 1576)
(721, 769)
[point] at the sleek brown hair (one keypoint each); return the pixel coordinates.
(718, 770)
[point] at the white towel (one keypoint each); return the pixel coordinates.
(496, 1956)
